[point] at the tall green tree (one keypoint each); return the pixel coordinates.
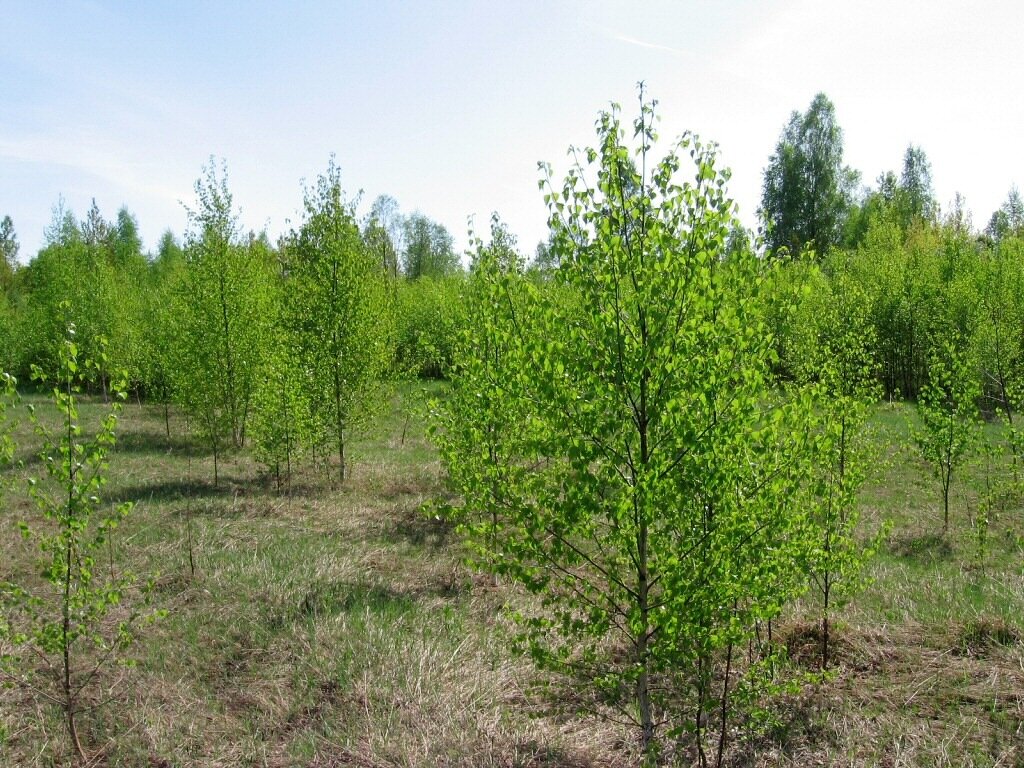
(429, 249)
(125, 241)
(162, 324)
(9, 346)
(8, 253)
(948, 409)
(63, 227)
(224, 306)
(428, 317)
(902, 274)
(834, 354)
(807, 190)
(616, 444)
(907, 199)
(9, 341)
(544, 260)
(95, 229)
(8, 393)
(128, 272)
(340, 313)
(75, 269)
(916, 191)
(1008, 219)
(384, 233)
(503, 246)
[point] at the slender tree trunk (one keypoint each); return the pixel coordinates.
(341, 453)
(336, 355)
(216, 463)
(228, 361)
(188, 528)
(945, 501)
(405, 428)
(825, 622)
(69, 696)
(643, 692)
(724, 714)
(339, 421)
(700, 720)
(287, 442)
(827, 575)
(188, 505)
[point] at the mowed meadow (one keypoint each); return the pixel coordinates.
(668, 493)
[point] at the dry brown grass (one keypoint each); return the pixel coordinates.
(338, 627)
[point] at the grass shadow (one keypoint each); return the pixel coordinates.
(175, 490)
(798, 726)
(158, 444)
(980, 636)
(929, 547)
(169, 491)
(327, 599)
(537, 755)
(418, 527)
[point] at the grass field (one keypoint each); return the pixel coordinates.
(338, 626)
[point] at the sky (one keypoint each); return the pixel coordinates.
(448, 106)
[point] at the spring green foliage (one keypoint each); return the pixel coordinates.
(832, 353)
(429, 250)
(8, 334)
(224, 309)
(428, 315)
(918, 195)
(920, 286)
(629, 429)
(8, 394)
(615, 441)
(72, 620)
(98, 268)
(483, 416)
(947, 406)
(162, 326)
(907, 200)
(129, 301)
(997, 343)
(70, 271)
(281, 421)
(378, 240)
(339, 315)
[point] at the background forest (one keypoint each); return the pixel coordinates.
(665, 491)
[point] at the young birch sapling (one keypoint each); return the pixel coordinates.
(947, 406)
(616, 446)
(61, 631)
(837, 362)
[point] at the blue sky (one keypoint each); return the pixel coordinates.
(448, 106)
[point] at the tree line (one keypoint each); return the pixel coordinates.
(921, 272)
